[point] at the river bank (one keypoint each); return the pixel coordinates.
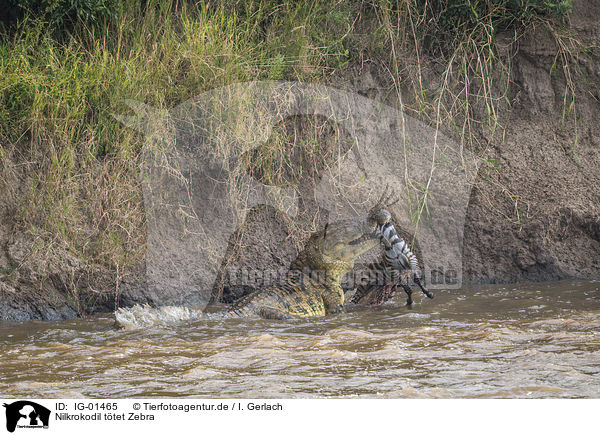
(72, 220)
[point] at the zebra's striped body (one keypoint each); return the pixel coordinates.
(397, 266)
(397, 254)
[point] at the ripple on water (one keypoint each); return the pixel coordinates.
(536, 340)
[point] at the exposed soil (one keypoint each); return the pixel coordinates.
(551, 232)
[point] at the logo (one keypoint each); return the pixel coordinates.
(26, 414)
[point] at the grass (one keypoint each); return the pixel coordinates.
(71, 171)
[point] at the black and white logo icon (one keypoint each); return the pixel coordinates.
(26, 414)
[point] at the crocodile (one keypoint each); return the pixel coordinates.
(313, 285)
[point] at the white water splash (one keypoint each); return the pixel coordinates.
(139, 317)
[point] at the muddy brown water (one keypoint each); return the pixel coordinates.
(527, 340)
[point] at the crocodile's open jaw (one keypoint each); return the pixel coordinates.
(370, 236)
(347, 239)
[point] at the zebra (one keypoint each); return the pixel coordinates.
(395, 267)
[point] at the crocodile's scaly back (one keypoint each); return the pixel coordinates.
(289, 299)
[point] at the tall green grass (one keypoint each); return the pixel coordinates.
(77, 168)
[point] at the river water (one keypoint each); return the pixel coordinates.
(527, 340)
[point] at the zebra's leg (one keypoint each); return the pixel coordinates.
(385, 294)
(361, 291)
(408, 291)
(423, 289)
